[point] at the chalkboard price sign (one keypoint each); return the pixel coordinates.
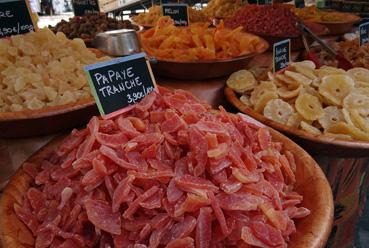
(281, 55)
(83, 7)
(178, 12)
(15, 18)
(364, 33)
(300, 3)
(264, 1)
(120, 83)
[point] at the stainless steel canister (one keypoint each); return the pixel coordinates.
(118, 42)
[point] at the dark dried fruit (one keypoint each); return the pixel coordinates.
(87, 26)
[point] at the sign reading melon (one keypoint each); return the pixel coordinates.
(15, 18)
(281, 55)
(120, 83)
(178, 12)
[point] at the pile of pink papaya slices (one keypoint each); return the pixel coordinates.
(168, 173)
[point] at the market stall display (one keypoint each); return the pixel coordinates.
(41, 77)
(172, 171)
(336, 22)
(149, 19)
(86, 27)
(272, 22)
(146, 193)
(198, 45)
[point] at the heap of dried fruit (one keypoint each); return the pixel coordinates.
(87, 26)
(270, 20)
(222, 8)
(42, 69)
(312, 13)
(169, 173)
(327, 101)
(198, 42)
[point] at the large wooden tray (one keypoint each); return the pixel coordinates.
(48, 120)
(315, 144)
(312, 231)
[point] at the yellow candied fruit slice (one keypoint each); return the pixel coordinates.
(309, 107)
(332, 115)
(278, 110)
(241, 81)
(335, 88)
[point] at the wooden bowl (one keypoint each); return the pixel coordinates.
(345, 26)
(202, 69)
(316, 144)
(312, 231)
(48, 120)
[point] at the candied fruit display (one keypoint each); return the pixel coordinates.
(328, 101)
(42, 69)
(168, 173)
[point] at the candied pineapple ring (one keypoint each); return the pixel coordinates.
(298, 77)
(288, 94)
(357, 101)
(332, 115)
(306, 71)
(294, 120)
(263, 99)
(329, 70)
(359, 74)
(309, 107)
(348, 129)
(335, 88)
(241, 81)
(278, 110)
(359, 120)
(261, 89)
